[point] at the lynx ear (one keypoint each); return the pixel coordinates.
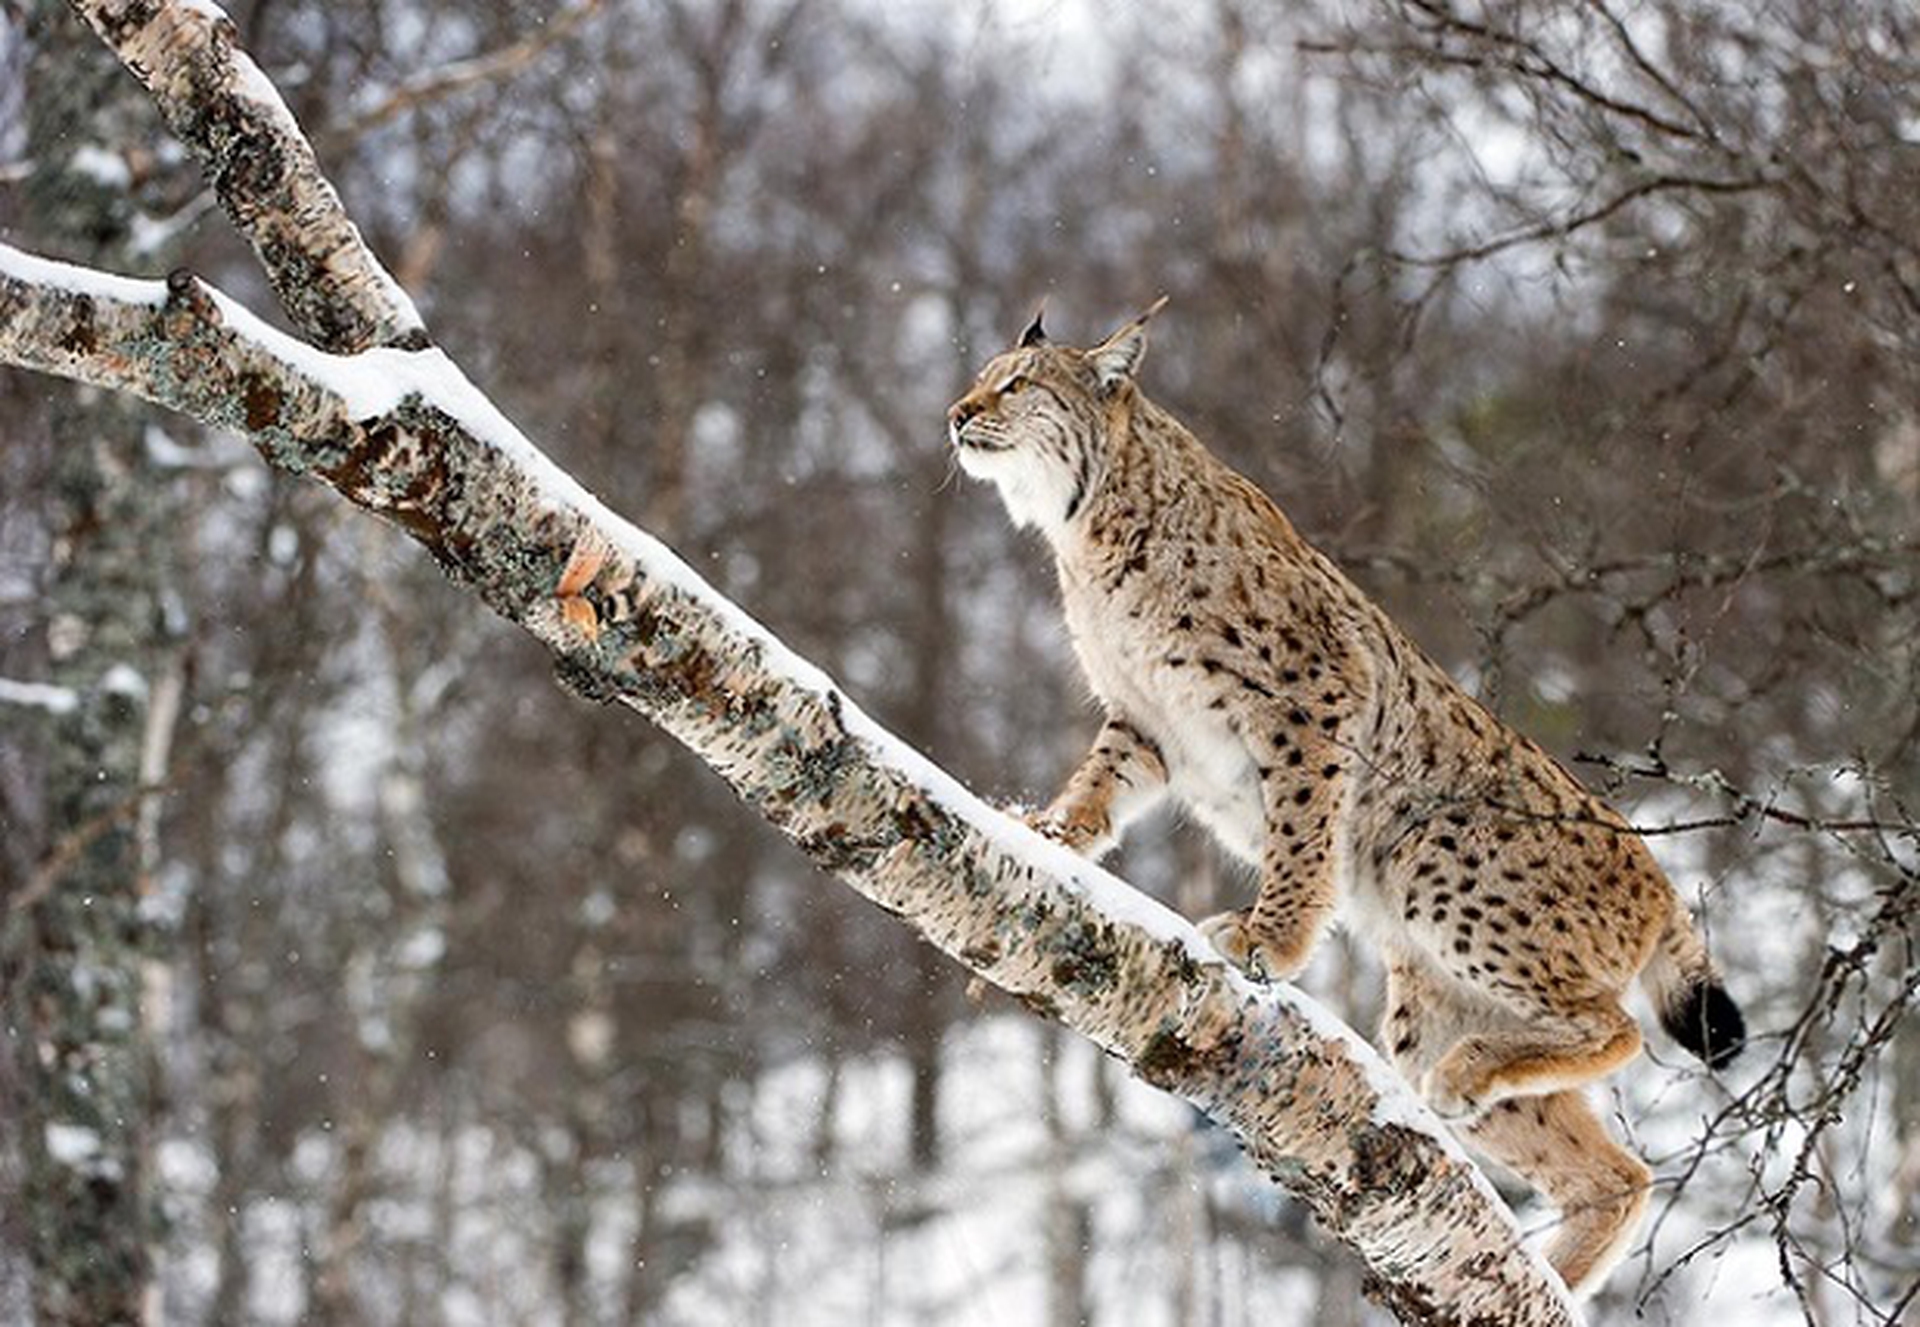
(1117, 358)
(1035, 335)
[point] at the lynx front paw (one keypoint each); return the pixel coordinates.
(1250, 951)
(1082, 833)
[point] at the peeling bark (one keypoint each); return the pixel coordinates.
(636, 627)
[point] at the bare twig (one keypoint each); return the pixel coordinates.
(1566, 227)
(76, 842)
(460, 75)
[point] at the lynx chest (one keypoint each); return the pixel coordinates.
(1144, 669)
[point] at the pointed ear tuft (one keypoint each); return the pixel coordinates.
(1117, 358)
(1035, 335)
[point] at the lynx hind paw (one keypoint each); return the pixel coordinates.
(1248, 950)
(1448, 1102)
(1450, 1093)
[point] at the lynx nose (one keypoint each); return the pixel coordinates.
(962, 411)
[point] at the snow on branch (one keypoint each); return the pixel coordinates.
(406, 436)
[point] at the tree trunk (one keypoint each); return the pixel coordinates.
(1068, 1222)
(391, 972)
(75, 948)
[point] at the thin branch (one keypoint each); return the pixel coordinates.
(458, 76)
(1623, 37)
(1527, 59)
(1568, 226)
(70, 847)
(38, 696)
(1746, 806)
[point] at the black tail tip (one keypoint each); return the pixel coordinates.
(1707, 1022)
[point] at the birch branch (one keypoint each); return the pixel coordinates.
(263, 170)
(405, 436)
(38, 695)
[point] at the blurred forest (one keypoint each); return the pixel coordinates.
(1585, 333)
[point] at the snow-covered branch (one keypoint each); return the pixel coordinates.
(262, 167)
(403, 434)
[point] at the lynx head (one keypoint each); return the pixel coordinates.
(1035, 421)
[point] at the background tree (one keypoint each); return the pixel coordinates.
(91, 615)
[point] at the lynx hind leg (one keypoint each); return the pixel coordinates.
(1554, 1142)
(1274, 939)
(1422, 1019)
(1121, 777)
(1553, 1050)
(1303, 792)
(1559, 1145)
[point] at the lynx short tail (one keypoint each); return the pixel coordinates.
(1694, 1006)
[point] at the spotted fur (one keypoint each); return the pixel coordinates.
(1240, 670)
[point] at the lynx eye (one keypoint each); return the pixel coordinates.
(1018, 382)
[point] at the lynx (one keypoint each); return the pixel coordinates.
(1242, 672)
